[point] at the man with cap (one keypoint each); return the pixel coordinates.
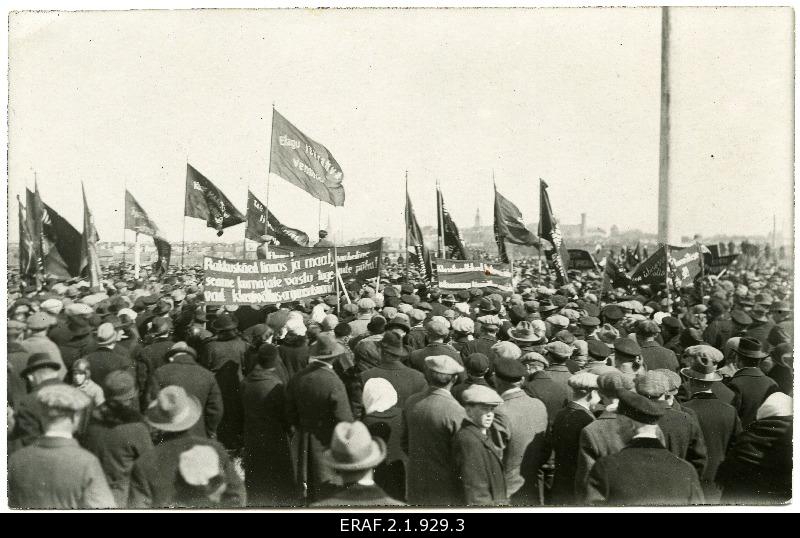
(39, 372)
(366, 309)
(627, 356)
(784, 325)
(158, 343)
(405, 381)
(565, 435)
(430, 420)
(181, 369)
(477, 368)
(762, 325)
(749, 384)
(353, 455)
(437, 332)
(541, 386)
(644, 472)
(720, 326)
(463, 329)
(477, 452)
(155, 480)
(558, 353)
(323, 241)
(653, 355)
(316, 400)
(597, 353)
(55, 472)
(718, 421)
(417, 336)
(266, 457)
(38, 341)
(17, 360)
(589, 325)
(613, 315)
(524, 335)
(525, 420)
(117, 433)
(104, 359)
(682, 434)
(487, 337)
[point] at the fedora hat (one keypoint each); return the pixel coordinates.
(225, 323)
(173, 410)
(353, 448)
(326, 347)
(750, 348)
(39, 360)
(524, 332)
(704, 364)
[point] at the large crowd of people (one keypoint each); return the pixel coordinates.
(137, 394)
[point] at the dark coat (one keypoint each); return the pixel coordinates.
(406, 381)
(267, 462)
(479, 466)
(458, 390)
(56, 473)
(430, 420)
(316, 401)
(560, 374)
(155, 480)
(390, 475)
(655, 357)
(417, 338)
(565, 437)
(719, 331)
(760, 330)
(751, 387)
(684, 438)
(482, 344)
(17, 360)
(294, 354)
(720, 425)
(77, 347)
(225, 359)
(554, 395)
(28, 418)
(784, 377)
(644, 473)
(118, 436)
(184, 372)
(758, 468)
(154, 351)
(103, 361)
(417, 358)
(358, 495)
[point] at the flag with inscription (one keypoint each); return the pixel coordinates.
(418, 254)
(90, 262)
(205, 201)
(549, 229)
(453, 242)
(33, 216)
(686, 264)
(136, 218)
(261, 222)
(27, 252)
(304, 163)
(161, 265)
(651, 271)
(61, 242)
(613, 277)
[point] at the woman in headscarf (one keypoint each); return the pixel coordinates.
(384, 419)
(758, 467)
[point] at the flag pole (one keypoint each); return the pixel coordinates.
(269, 168)
(244, 239)
(405, 254)
(124, 242)
(183, 233)
(40, 225)
(319, 216)
(136, 257)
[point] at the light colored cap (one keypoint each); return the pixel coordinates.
(199, 465)
(583, 381)
(464, 325)
(443, 364)
(508, 350)
(480, 394)
(52, 306)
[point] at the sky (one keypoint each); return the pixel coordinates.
(125, 99)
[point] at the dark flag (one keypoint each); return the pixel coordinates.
(508, 226)
(582, 260)
(549, 229)
(685, 264)
(28, 266)
(161, 265)
(205, 201)
(720, 263)
(136, 218)
(90, 262)
(304, 163)
(257, 225)
(61, 243)
(613, 277)
(33, 215)
(651, 271)
(418, 254)
(454, 248)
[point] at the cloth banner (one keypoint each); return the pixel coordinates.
(136, 218)
(453, 241)
(161, 265)
(206, 202)
(549, 229)
(257, 225)
(719, 264)
(90, 262)
(651, 271)
(582, 260)
(355, 261)
(417, 256)
(508, 223)
(262, 282)
(28, 266)
(463, 274)
(686, 263)
(304, 163)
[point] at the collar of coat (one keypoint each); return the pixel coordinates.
(749, 371)
(645, 442)
(55, 442)
(557, 368)
(391, 364)
(649, 344)
(579, 407)
(262, 374)
(704, 396)
(441, 392)
(475, 431)
(513, 393)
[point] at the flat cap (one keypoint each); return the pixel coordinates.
(626, 346)
(565, 336)
(671, 322)
(612, 313)
(350, 308)
(490, 320)
(532, 356)
(612, 382)
(741, 317)
(673, 379)
(366, 304)
(437, 328)
(480, 394)
(589, 321)
(640, 408)
(416, 314)
(443, 364)
(507, 350)
(477, 364)
(52, 306)
(652, 384)
(464, 325)
(509, 369)
(40, 321)
(79, 309)
(598, 350)
(558, 320)
(647, 327)
(583, 381)
(703, 353)
(425, 306)
(559, 349)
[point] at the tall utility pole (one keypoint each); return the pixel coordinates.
(664, 230)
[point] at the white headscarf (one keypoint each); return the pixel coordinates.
(379, 395)
(318, 313)
(777, 405)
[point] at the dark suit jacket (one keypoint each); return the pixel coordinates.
(643, 473)
(316, 401)
(358, 495)
(655, 357)
(751, 387)
(720, 425)
(479, 466)
(684, 438)
(103, 361)
(406, 381)
(553, 395)
(417, 358)
(565, 438)
(184, 372)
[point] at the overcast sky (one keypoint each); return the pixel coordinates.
(568, 95)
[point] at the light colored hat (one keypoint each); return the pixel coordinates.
(704, 360)
(199, 465)
(93, 299)
(532, 356)
(558, 320)
(462, 308)
(173, 410)
(417, 315)
(443, 364)
(128, 312)
(79, 309)
(777, 405)
(607, 334)
(389, 312)
(658, 316)
(490, 320)
(40, 321)
(464, 325)
(61, 398)
(296, 326)
(52, 306)
(437, 327)
(539, 328)
(443, 320)
(570, 314)
(106, 334)
(583, 381)
(480, 394)
(353, 448)
(404, 308)
(329, 322)
(508, 350)
(652, 384)
(559, 349)
(378, 395)
(366, 304)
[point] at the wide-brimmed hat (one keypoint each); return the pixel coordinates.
(524, 332)
(393, 343)
(39, 360)
(173, 410)
(106, 334)
(325, 347)
(750, 348)
(225, 323)
(703, 363)
(353, 448)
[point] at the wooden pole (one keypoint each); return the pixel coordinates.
(136, 257)
(664, 232)
(269, 166)
(405, 254)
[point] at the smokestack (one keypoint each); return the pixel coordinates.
(583, 225)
